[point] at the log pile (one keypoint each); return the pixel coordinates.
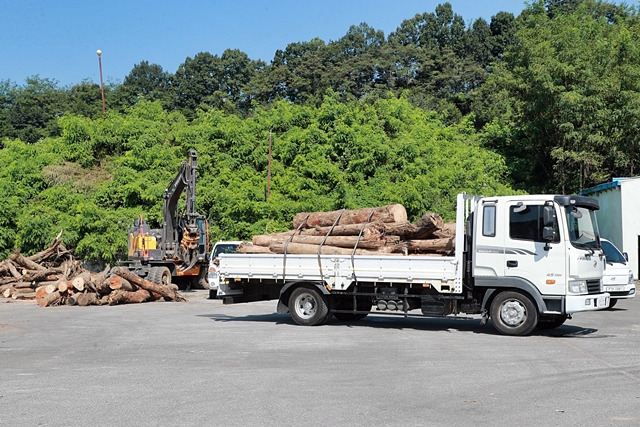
(53, 277)
(380, 230)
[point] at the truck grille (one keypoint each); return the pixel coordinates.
(593, 286)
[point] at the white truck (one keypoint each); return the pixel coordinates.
(521, 261)
(618, 277)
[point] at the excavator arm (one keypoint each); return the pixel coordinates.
(180, 233)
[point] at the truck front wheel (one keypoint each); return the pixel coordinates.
(308, 306)
(512, 313)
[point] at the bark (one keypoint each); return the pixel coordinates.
(301, 248)
(25, 262)
(121, 296)
(339, 241)
(447, 230)
(24, 295)
(22, 285)
(98, 279)
(389, 213)
(166, 292)
(249, 248)
(87, 298)
(445, 246)
(428, 224)
(52, 249)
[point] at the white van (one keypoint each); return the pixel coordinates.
(618, 277)
(221, 247)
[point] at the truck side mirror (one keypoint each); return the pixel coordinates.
(626, 256)
(548, 216)
(548, 234)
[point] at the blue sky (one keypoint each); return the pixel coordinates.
(58, 39)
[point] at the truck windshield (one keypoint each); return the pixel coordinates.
(612, 253)
(583, 227)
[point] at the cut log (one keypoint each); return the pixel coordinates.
(389, 213)
(48, 300)
(18, 285)
(339, 241)
(64, 286)
(87, 298)
(248, 248)
(81, 280)
(25, 262)
(51, 250)
(447, 230)
(445, 246)
(117, 282)
(51, 288)
(428, 224)
(103, 287)
(120, 296)
(166, 293)
(41, 291)
(98, 279)
(7, 292)
(301, 248)
(24, 295)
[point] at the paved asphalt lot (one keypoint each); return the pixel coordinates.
(202, 363)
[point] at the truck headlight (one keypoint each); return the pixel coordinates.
(578, 286)
(630, 277)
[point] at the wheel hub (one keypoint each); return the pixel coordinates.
(513, 313)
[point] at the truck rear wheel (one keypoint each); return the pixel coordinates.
(159, 275)
(512, 313)
(308, 306)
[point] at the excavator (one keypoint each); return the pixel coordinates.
(179, 251)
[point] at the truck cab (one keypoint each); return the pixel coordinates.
(618, 277)
(544, 247)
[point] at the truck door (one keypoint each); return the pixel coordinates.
(488, 248)
(528, 256)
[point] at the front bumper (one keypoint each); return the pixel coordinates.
(620, 291)
(591, 302)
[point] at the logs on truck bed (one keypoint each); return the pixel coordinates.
(53, 277)
(389, 213)
(381, 230)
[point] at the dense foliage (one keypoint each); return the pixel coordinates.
(546, 101)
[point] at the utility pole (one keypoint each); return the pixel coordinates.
(269, 167)
(99, 52)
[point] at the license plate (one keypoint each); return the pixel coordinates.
(613, 288)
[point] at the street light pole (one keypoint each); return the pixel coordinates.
(99, 52)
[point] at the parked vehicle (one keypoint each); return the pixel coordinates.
(618, 277)
(221, 247)
(521, 261)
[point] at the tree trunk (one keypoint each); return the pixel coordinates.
(87, 298)
(389, 213)
(445, 246)
(25, 262)
(301, 248)
(121, 296)
(166, 293)
(48, 300)
(339, 241)
(117, 282)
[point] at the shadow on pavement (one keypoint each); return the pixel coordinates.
(434, 324)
